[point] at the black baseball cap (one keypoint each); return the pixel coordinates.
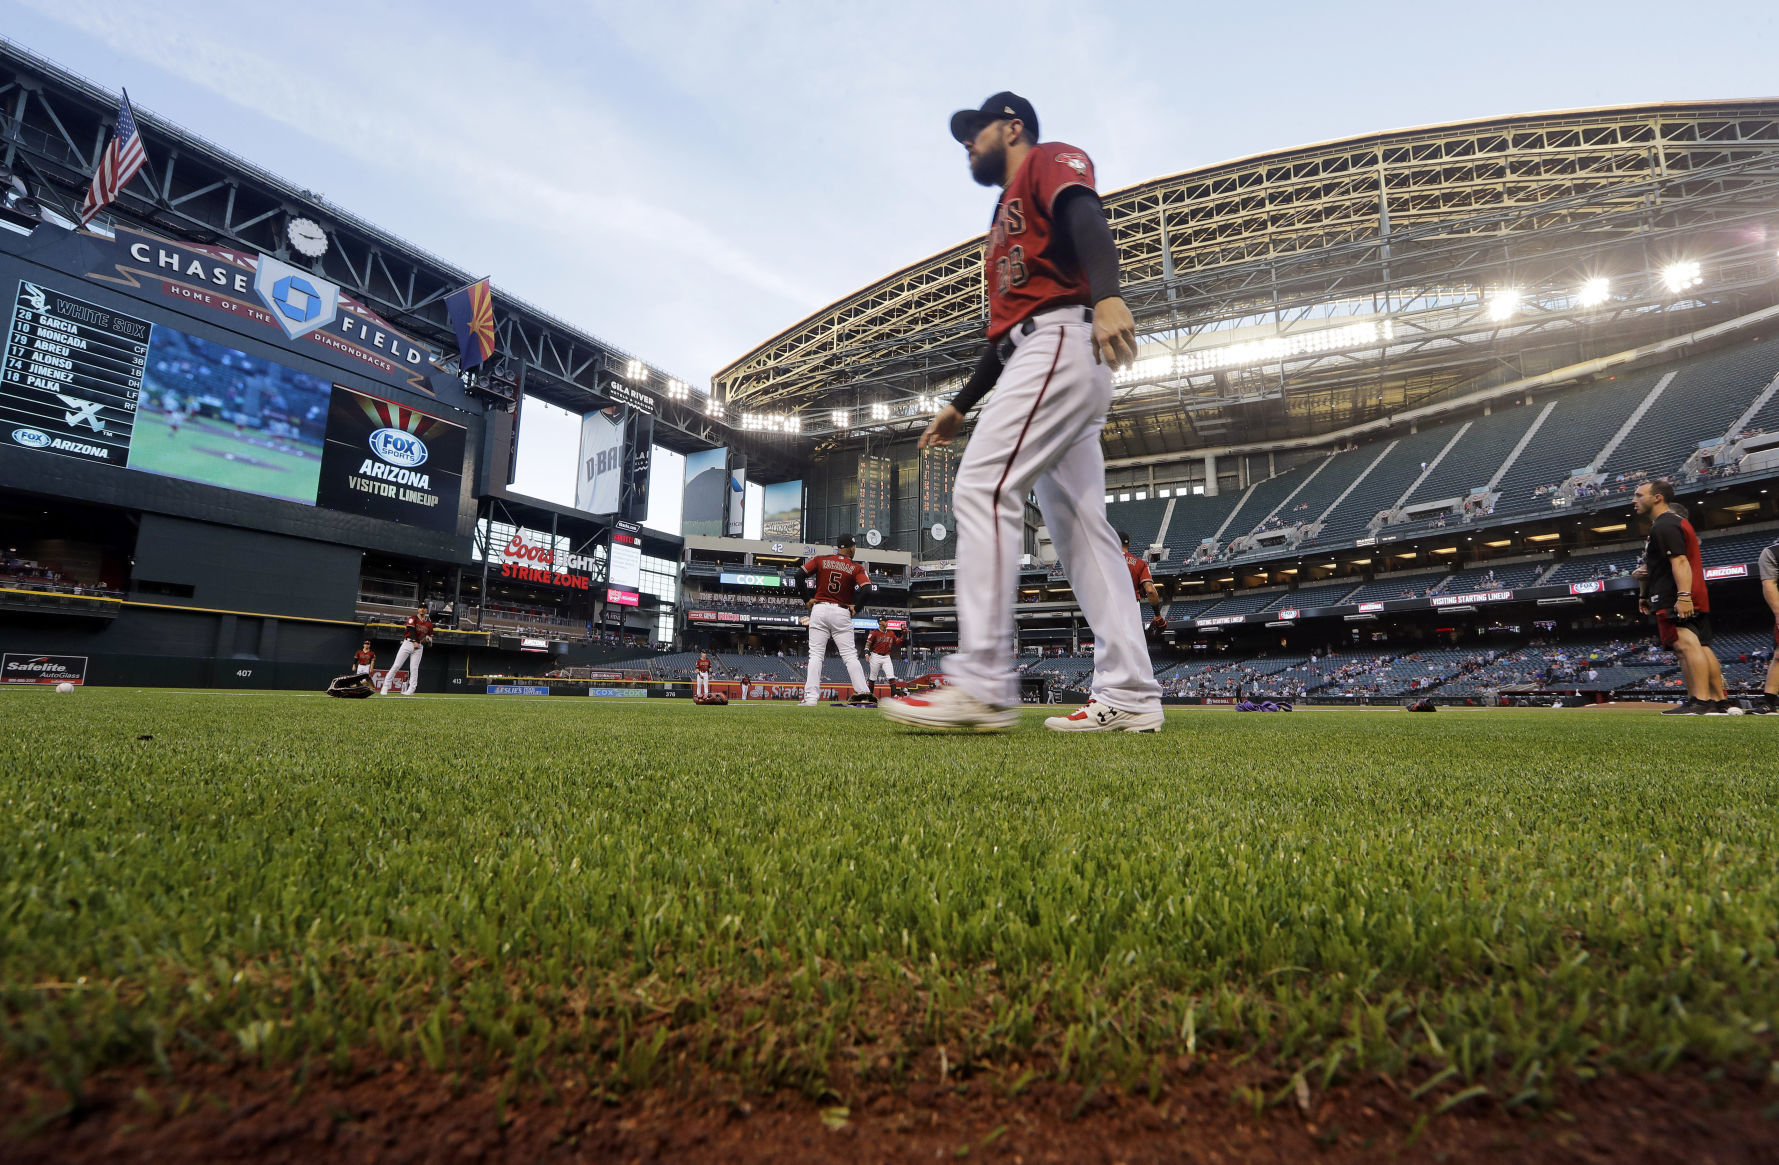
(966, 123)
(844, 542)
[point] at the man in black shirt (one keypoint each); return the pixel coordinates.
(1673, 590)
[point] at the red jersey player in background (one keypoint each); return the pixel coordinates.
(365, 660)
(836, 579)
(702, 688)
(414, 641)
(881, 645)
(1143, 581)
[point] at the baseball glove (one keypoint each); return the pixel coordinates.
(1158, 624)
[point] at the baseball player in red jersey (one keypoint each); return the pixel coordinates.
(414, 641)
(365, 660)
(1143, 581)
(881, 645)
(701, 688)
(1056, 327)
(836, 579)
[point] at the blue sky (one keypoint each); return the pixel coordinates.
(686, 179)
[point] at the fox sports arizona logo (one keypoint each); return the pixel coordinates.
(399, 447)
(31, 438)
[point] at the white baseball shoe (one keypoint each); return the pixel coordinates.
(949, 708)
(1097, 717)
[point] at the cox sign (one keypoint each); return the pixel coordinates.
(399, 447)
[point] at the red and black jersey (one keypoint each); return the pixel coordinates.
(1023, 264)
(365, 655)
(1671, 536)
(418, 628)
(882, 642)
(836, 576)
(1139, 571)
(703, 663)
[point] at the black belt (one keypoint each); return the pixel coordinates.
(1026, 327)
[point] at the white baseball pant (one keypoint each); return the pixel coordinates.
(701, 686)
(408, 656)
(831, 621)
(363, 669)
(1041, 429)
(883, 665)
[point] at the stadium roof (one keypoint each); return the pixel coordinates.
(1294, 292)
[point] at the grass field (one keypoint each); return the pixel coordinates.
(1480, 904)
(208, 450)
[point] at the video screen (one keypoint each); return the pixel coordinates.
(216, 415)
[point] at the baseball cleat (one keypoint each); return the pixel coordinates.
(949, 708)
(1098, 717)
(1691, 708)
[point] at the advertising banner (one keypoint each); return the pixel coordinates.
(737, 522)
(600, 470)
(296, 306)
(42, 669)
(707, 479)
(384, 460)
(518, 690)
(528, 557)
(782, 511)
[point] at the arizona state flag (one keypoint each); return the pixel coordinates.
(472, 316)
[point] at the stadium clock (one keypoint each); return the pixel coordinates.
(307, 237)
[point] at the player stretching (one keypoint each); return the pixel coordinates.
(1673, 587)
(701, 686)
(365, 660)
(1056, 328)
(414, 641)
(881, 645)
(1768, 701)
(836, 578)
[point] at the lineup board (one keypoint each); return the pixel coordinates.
(71, 375)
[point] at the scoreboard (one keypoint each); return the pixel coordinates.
(72, 375)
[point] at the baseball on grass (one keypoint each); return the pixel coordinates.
(64, 688)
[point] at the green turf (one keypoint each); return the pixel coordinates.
(207, 450)
(499, 885)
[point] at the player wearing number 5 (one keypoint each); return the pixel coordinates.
(414, 641)
(837, 580)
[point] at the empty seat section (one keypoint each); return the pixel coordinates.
(1141, 520)
(1583, 420)
(1323, 595)
(1703, 400)
(1196, 517)
(1474, 460)
(1383, 485)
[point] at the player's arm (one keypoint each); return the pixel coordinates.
(1683, 580)
(942, 429)
(1082, 221)
(1769, 590)
(861, 585)
(1153, 594)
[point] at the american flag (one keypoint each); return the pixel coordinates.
(123, 157)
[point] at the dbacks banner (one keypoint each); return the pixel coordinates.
(601, 469)
(385, 460)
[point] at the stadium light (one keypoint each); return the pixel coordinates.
(840, 417)
(1595, 292)
(678, 390)
(1269, 350)
(1682, 276)
(880, 412)
(713, 408)
(1503, 302)
(636, 371)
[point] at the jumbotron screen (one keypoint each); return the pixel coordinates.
(82, 380)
